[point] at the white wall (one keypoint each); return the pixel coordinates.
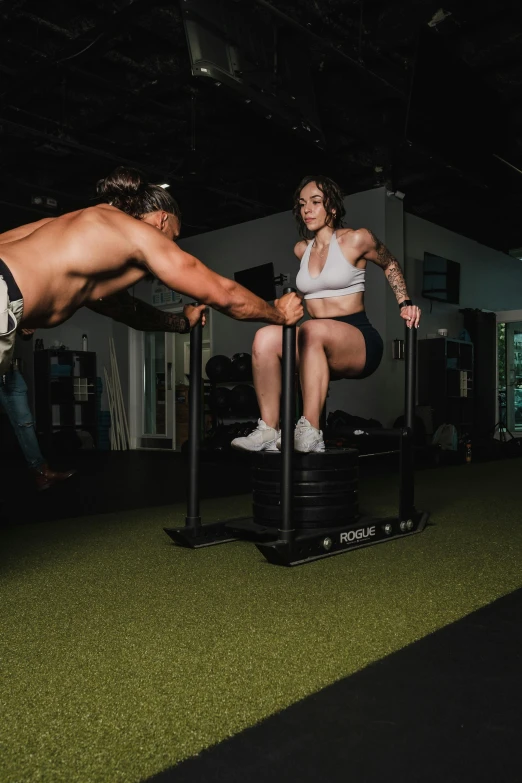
(489, 280)
(508, 316)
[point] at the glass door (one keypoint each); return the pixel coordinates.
(158, 419)
(514, 376)
(158, 375)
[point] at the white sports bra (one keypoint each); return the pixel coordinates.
(337, 278)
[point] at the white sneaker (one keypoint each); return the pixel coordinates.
(306, 437)
(263, 438)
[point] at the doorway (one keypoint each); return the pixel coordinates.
(158, 386)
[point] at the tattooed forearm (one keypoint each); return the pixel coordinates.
(396, 280)
(153, 320)
(139, 315)
(382, 257)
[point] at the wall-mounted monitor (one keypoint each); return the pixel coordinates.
(258, 279)
(440, 279)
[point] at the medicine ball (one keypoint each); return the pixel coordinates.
(220, 399)
(218, 368)
(242, 367)
(243, 400)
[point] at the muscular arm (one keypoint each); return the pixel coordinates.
(184, 273)
(134, 312)
(375, 251)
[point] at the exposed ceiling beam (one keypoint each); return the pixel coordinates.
(152, 172)
(323, 43)
(73, 49)
(24, 207)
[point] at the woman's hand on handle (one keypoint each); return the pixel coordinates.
(411, 315)
(291, 307)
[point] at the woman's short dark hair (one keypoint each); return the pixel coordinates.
(128, 190)
(332, 201)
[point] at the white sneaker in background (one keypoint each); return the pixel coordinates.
(306, 437)
(263, 438)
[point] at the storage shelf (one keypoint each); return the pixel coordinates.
(448, 391)
(65, 402)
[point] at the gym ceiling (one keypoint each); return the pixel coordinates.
(89, 85)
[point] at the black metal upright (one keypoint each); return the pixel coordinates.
(193, 517)
(407, 454)
(194, 534)
(411, 376)
(287, 431)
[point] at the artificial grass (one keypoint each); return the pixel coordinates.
(122, 654)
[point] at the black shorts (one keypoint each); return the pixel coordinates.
(372, 340)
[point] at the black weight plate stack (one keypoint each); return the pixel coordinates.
(324, 488)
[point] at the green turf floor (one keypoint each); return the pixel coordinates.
(122, 654)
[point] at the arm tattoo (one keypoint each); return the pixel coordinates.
(390, 267)
(139, 315)
(396, 280)
(384, 257)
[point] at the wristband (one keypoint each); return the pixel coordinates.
(405, 303)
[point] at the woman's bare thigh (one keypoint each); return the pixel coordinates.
(343, 345)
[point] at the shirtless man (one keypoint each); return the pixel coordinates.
(53, 267)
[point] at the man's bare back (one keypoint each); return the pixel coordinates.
(64, 263)
(67, 262)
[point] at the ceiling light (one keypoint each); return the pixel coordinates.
(165, 185)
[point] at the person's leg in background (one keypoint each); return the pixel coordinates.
(14, 399)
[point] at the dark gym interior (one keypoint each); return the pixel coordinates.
(133, 654)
